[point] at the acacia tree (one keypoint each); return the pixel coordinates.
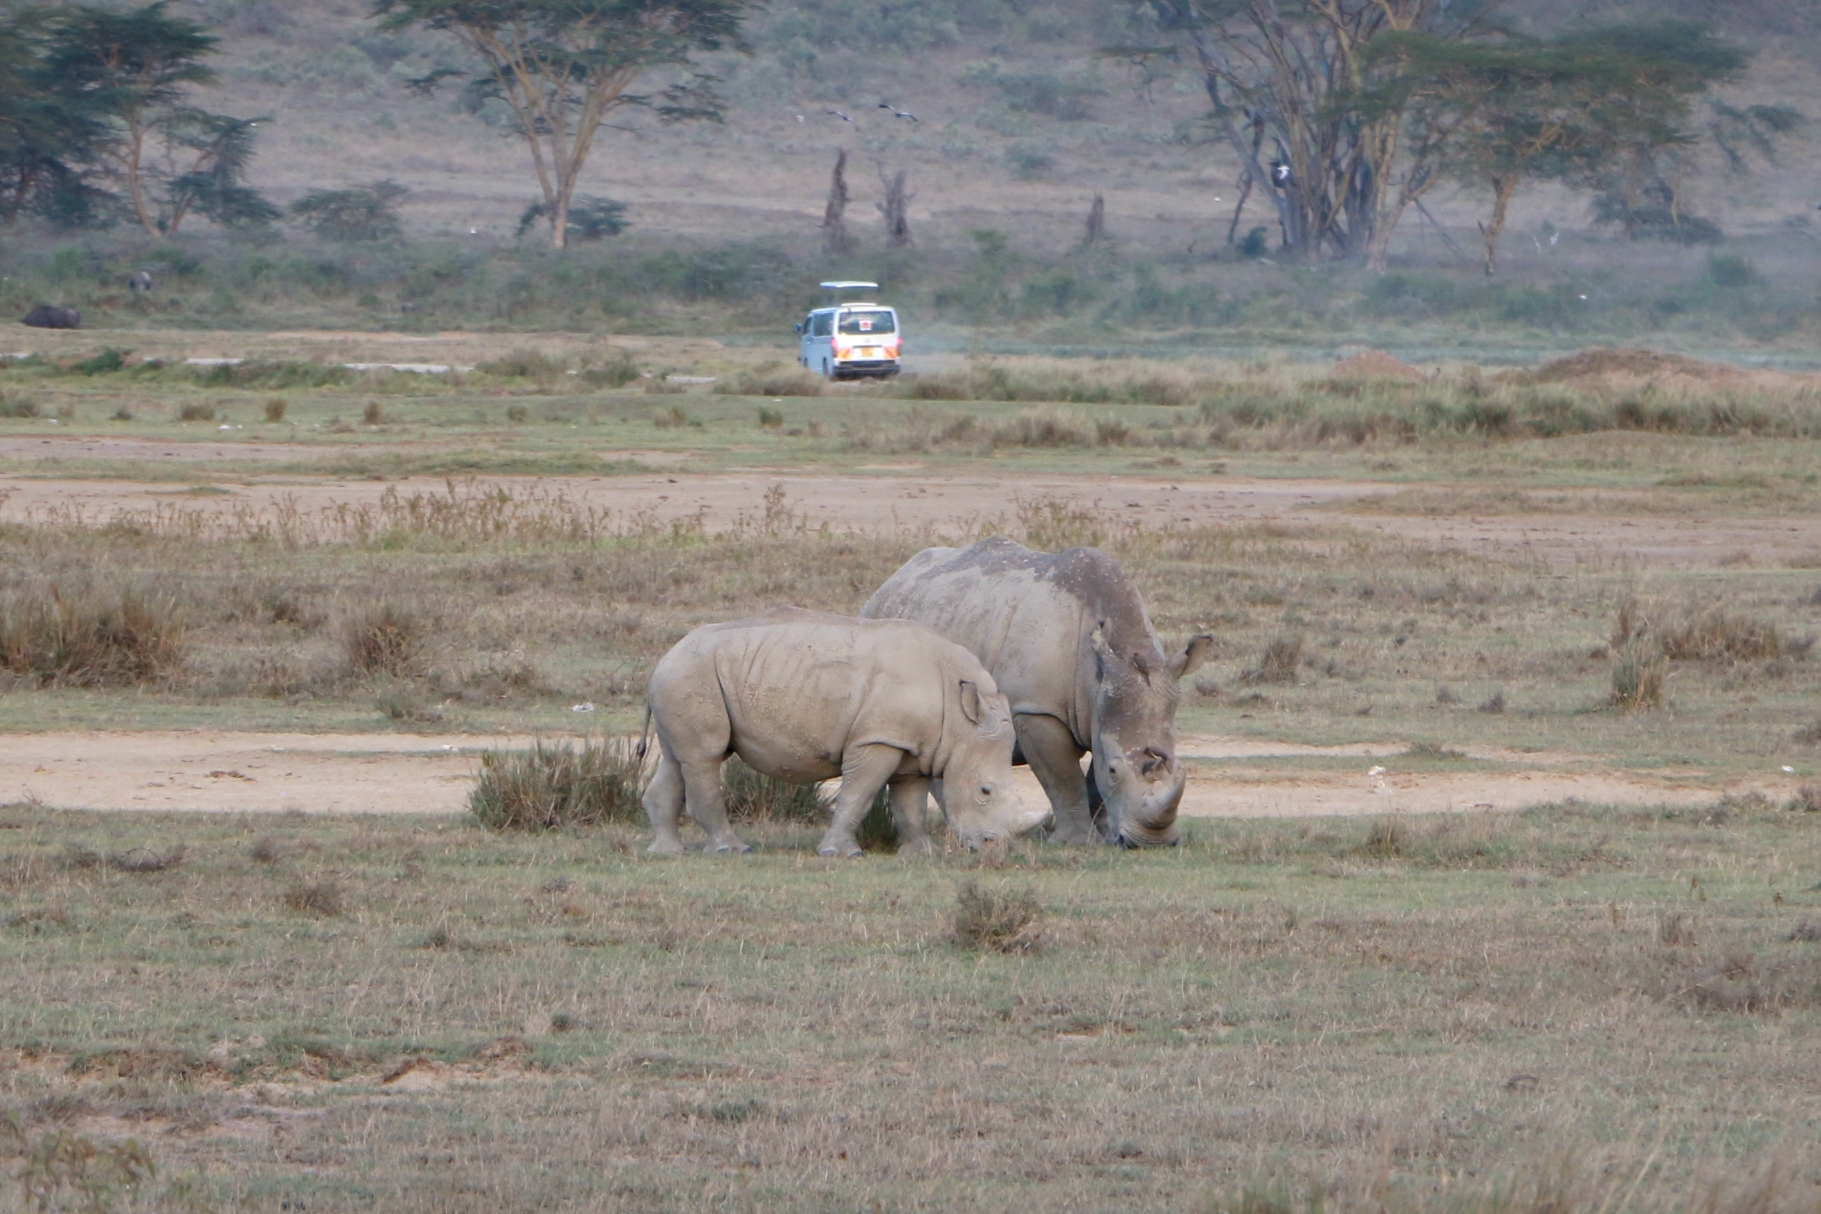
(134, 70)
(1297, 73)
(563, 66)
(48, 134)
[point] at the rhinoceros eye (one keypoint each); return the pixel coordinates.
(986, 790)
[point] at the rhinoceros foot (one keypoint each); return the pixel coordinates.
(917, 847)
(722, 849)
(848, 848)
(666, 847)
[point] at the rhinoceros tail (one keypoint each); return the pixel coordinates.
(644, 734)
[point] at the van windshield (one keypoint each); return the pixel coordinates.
(867, 324)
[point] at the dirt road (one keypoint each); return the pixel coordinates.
(231, 772)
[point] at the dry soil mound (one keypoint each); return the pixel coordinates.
(1626, 363)
(1375, 364)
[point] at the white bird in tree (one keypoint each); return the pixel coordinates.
(840, 115)
(896, 112)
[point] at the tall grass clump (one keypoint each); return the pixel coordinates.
(89, 638)
(549, 787)
(754, 796)
(1278, 663)
(382, 639)
(1638, 670)
(1713, 635)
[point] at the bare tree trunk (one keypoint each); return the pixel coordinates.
(896, 209)
(1245, 192)
(1502, 190)
(835, 238)
(1097, 220)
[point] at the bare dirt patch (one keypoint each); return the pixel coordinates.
(231, 772)
(1376, 364)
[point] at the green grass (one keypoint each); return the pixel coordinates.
(1466, 997)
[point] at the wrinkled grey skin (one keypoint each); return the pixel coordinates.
(1068, 640)
(805, 696)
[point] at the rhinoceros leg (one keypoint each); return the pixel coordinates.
(1055, 760)
(864, 771)
(910, 814)
(663, 802)
(707, 800)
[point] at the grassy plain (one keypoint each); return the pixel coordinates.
(1610, 1005)
(413, 1014)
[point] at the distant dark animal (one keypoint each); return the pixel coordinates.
(141, 282)
(407, 306)
(896, 112)
(46, 316)
(839, 114)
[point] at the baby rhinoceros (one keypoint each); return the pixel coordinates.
(805, 696)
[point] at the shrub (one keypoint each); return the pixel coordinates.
(1278, 663)
(145, 860)
(1715, 636)
(548, 787)
(523, 364)
(1255, 243)
(368, 212)
(94, 638)
(589, 218)
(373, 414)
(753, 796)
(196, 411)
(793, 381)
(19, 408)
(275, 409)
(1006, 923)
(382, 639)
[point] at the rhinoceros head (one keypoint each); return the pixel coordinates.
(1136, 689)
(979, 797)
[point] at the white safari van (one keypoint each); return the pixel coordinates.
(851, 340)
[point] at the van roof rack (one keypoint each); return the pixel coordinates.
(845, 285)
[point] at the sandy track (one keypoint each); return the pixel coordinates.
(901, 497)
(229, 772)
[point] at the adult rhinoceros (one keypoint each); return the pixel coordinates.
(1068, 640)
(805, 696)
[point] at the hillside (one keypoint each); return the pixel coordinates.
(1019, 124)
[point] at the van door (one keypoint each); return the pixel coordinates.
(819, 342)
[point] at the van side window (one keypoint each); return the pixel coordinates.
(821, 323)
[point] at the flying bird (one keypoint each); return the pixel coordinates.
(1280, 175)
(840, 115)
(896, 112)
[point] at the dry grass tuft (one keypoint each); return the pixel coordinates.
(382, 639)
(196, 411)
(753, 796)
(548, 787)
(771, 381)
(266, 850)
(1044, 427)
(1278, 663)
(1006, 923)
(1715, 636)
(92, 638)
(145, 860)
(1638, 670)
(320, 898)
(1675, 930)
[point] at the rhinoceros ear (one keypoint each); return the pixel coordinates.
(970, 703)
(1189, 660)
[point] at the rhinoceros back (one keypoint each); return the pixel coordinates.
(1026, 615)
